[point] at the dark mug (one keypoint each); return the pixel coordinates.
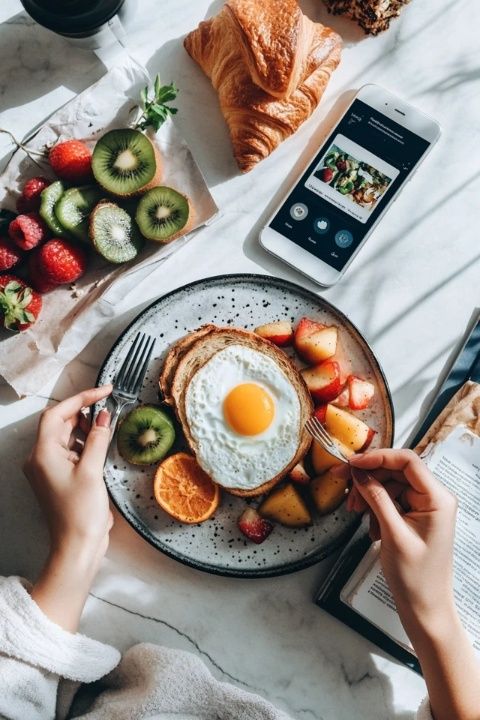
(88, 23)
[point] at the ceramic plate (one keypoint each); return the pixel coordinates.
(216, 545)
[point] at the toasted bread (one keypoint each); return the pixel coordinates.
(191, 356)
(175, 353)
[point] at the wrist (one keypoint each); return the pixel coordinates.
(430, 623)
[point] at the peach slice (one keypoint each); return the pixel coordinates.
(322, 460)
(323, 381)
(299, 475)
(350, 430)
(328, 492)
(314, 341)
(280, 333)
(286, 506)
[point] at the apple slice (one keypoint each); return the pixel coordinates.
(280, 333)
(314, 341)
(323, 381)
(360, 391)
(286, 506)
(321, 458)
(350, 430)
(299, 475)
(370, 436)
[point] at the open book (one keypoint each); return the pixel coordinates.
(355, 590)
(455, 461)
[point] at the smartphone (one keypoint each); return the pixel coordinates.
(348, 186)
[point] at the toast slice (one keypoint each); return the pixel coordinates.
(191, 356)
(174, 355)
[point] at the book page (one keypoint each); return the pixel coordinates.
(456, 463)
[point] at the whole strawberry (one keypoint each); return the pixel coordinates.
(71, 160)
(10, 254)
(35, 276)
(29, 200)
(60, 261)
(28, 231)
(19, 305)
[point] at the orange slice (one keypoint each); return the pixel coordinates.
(184, 490)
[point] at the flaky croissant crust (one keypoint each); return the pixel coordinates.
(270, 65)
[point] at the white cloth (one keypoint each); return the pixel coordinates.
(41, 667)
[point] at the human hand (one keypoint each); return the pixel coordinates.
(69, 486)
(414, 516)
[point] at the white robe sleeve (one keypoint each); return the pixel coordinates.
(424, 712)
(35, 653)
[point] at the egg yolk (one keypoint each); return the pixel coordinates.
(248, 409)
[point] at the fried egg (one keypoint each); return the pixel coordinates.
(243, 415)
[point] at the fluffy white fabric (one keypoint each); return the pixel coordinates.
(38, 661)
(424, 711)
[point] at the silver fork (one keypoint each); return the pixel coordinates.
(129, 379)
(319, 433)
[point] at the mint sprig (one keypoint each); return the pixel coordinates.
(154, 107)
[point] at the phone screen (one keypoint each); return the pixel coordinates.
(356, 172)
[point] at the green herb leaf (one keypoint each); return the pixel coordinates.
(155, 109)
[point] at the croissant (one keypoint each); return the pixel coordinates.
(270, 65)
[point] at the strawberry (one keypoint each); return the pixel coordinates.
(28, 231)
(253, 526)
(36, 278)
(280, 333)
(71, 160)
(60, 261)
(19, 305)
(361, 392)
(29, 200)
(10, 254)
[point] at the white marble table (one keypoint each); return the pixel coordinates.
(412, 291)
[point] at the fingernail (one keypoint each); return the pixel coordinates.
(359, 476)
(103, 419)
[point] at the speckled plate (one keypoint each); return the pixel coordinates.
(217, 546)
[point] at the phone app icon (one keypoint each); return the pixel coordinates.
(321, 225)
(299, 211)
(343, 238)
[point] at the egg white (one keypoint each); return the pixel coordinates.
(233, 460)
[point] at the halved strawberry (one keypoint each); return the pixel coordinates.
(253, 526)
(314, 341)
(361, 392)
(323, 381)
(299, 475)
(280, 333)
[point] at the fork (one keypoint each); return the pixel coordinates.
(129, 379)
(319, 433)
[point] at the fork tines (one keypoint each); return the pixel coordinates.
(132, 372)
(315, 428)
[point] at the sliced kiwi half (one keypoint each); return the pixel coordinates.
(124, 161)
(145, 435)
(162, 213)
(74, 207)
(48, 200)
(114, 234)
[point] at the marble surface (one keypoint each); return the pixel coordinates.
(412, 291)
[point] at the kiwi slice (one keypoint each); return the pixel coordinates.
(162, 213)
(48, 200)
(74, 208)
(123, 161)
(114, 233)
(145, 435)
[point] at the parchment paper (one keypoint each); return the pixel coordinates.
(463, 409)
(72, 316)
